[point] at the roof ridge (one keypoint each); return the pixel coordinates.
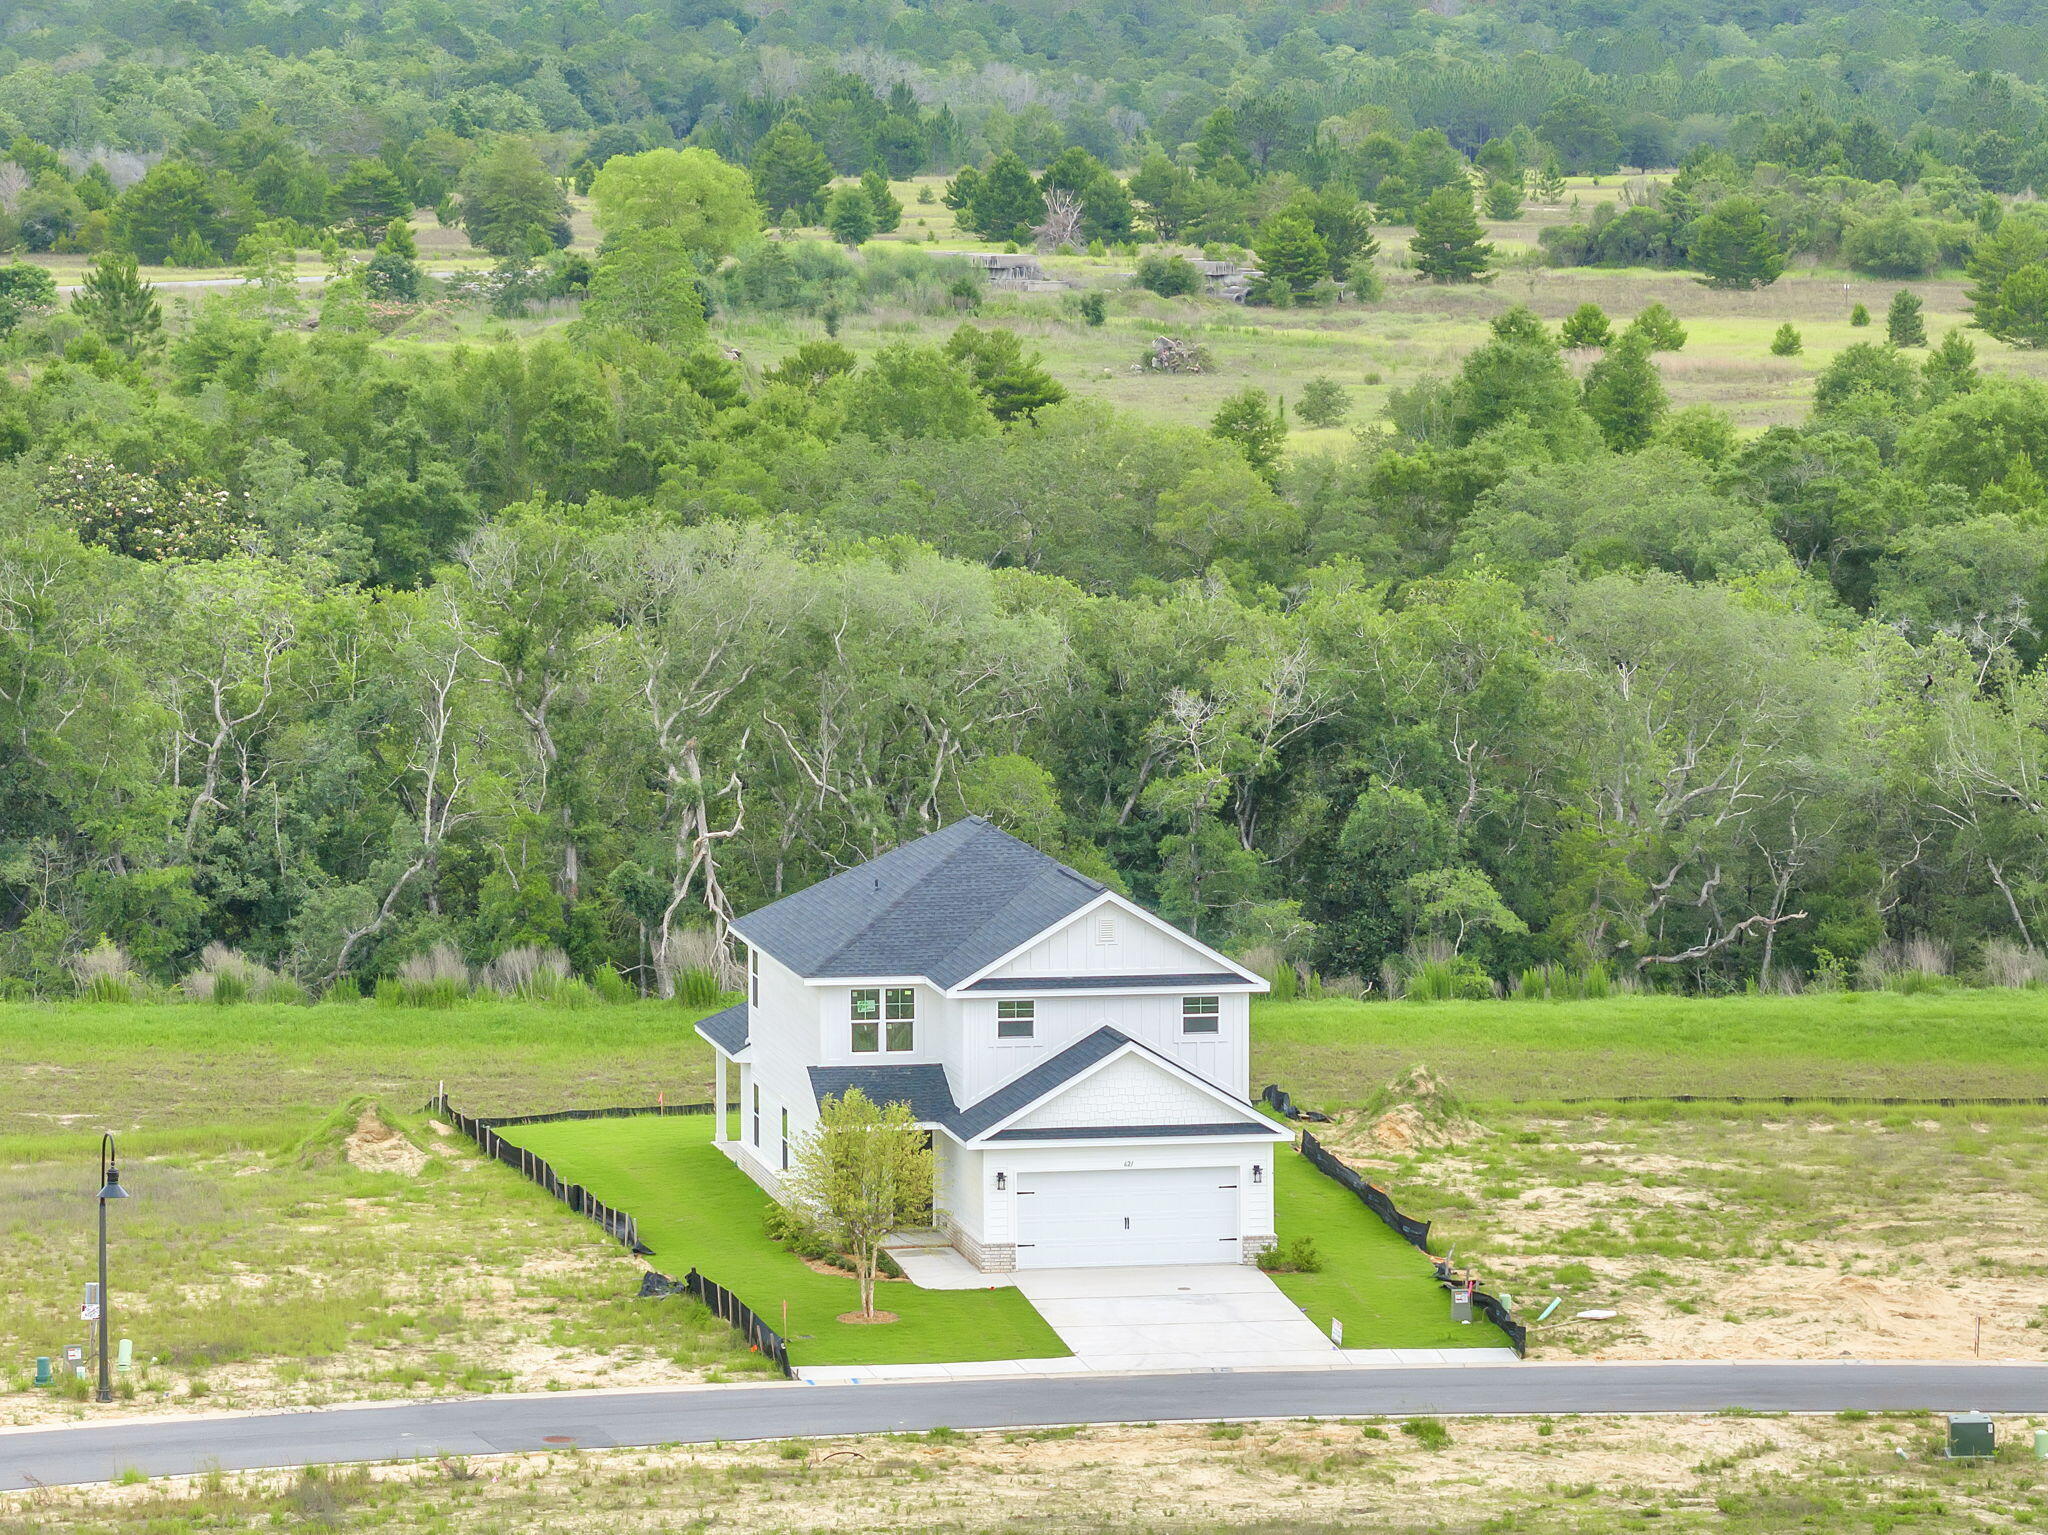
(909, 889)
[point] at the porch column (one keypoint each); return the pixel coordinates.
(718, 1097)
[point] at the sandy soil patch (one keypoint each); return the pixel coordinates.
(377, 1147)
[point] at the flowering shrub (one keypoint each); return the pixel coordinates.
(141, 516)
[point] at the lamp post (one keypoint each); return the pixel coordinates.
(110, 1188)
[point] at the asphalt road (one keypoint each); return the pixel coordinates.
(598, 1419)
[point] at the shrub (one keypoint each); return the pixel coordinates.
(1296, 1257)
(1168, 276)
(610, 986)
(1094, 308)
(1859, 316)
(1430, 1433)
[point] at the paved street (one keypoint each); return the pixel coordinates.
(492, 1425)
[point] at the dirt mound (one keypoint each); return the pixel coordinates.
(377, 1147)
(1416, 1111)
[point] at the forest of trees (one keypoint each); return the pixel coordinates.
(331, 648)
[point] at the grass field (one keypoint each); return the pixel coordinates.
(697, 1210)
(1745, 1474)
(1991, 1043)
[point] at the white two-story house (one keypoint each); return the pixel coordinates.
(1082, 1065)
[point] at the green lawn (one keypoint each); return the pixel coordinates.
(1379, 1287)
(698, 1210)
(1977, 1044)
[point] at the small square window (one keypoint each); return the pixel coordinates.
(1016, 1020)
(1201, 1015)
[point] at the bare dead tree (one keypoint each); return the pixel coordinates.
(1062, 226)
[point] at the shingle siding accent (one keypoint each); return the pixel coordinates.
(1037, 1082)
(726, 1028)
(943, 906)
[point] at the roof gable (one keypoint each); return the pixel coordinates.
(1132, 1089)
(944, 906)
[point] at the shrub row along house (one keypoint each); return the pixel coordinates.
(1081, 1065)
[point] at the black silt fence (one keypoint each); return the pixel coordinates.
(1490, 1307)
(1278, 1099)
(618, 1224)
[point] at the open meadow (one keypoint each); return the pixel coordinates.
(1745, 1473)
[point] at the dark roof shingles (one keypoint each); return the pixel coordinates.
(924, 1088)
(726, 1028)
(943, 906)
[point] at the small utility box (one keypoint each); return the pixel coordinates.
(1461, 1304)
(1971, 1436)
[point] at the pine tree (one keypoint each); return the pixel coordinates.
(118, 305)
(790, 171)
(1257, 428)
(1733, 245)
(850, 217)
(1449, 245)
(1903, 324)
(1292, 258)
(1624, 394)
(394, 271)
(1950, 369)
(1859, 316)
(1586, 326)
(1007, 201)
(1550, 182)
(1658, 326)
(1786, 342)
(1503, 199)
(888, 210)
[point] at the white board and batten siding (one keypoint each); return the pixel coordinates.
(1127, 1091)
(986, 1062)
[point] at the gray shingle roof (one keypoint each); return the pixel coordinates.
(726, 1028)
(924, 1088)
(943, 906)
(1132, 1132)
(1184, 982)
(1038, 1081)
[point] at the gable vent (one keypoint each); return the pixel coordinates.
(1105, 928)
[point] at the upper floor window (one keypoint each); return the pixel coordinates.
(884, 1018)
(1201, 1015)
(1016, 1020)
(754, 976)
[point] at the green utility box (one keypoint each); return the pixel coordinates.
(1971, 1436)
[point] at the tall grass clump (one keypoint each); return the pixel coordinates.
(1909, 965)
(343, 988)
(1431, 970)
(437, 978)
(526, 971)
(105, 973)
(2006, 963)
(226, 976)
(694, 948)
(610, 986)
(1279, 971)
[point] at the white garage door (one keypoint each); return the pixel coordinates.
(1127, 1215)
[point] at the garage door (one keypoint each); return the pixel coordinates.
(1127, 1215)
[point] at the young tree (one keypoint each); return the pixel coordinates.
(1550, 181)
(1094, 307)
(1660, 327)
(887, 207)
(2019, 312)
(368, 197)
(1950, 369)
(176, 204)
(25, 289)
(1903, 325)
(1164, 192)
(511, 206)
(1503, 199)
(850, 217)
(1323, 402)
(1786, 342)
(864, 1172)
(1586, 326)
(1255, 426)
(394, 271)
(1015, 385)
(1624, 395)
(1859, 316)
(1449, 245)
(1733, 245)
(1292, 259)
(790, 171)
(708, 203)
(117, 304)
(1007, 201)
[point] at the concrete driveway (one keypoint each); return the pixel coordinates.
(1196, 1317)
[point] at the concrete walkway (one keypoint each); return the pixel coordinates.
(102, 1449)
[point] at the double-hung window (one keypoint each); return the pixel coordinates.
(1201, 1015)
(884, 1019)
(1016, 1020)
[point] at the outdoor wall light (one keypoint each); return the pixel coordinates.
(1002, 1181)
(1258, 1173)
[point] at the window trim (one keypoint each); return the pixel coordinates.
(1201, 1017)
(753, 976)
(1028, 1017)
